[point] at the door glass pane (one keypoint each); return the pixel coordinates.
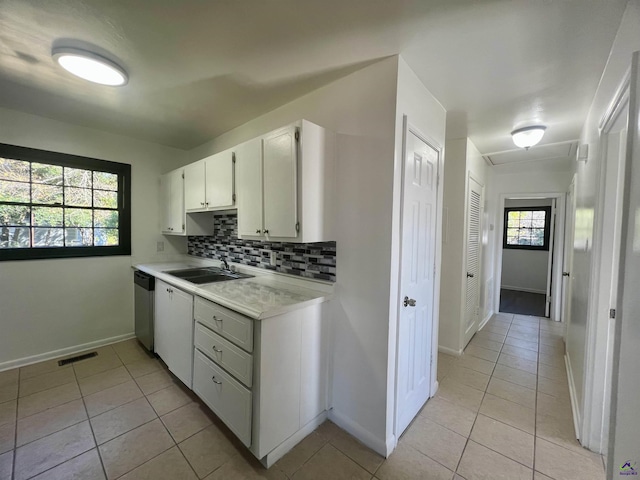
(14, 215)
(75, 177)
(48, 237)
(105, 181)
(78, 237)
(106, 237)
(16, 170)
(14, 192)
(537, 223)
(537, 237)
(525, 215)
(78, 217)
(47, 194)
(43, 173)
(77, 197)
(14, 237)
(47, 216)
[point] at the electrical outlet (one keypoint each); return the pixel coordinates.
(273, 256)
(160, 247)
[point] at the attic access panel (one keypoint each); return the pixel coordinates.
(542, 152)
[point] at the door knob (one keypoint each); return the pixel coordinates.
(566, 274)
(470, 275)
(409, 302)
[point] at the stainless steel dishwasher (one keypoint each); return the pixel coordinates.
(144, 287)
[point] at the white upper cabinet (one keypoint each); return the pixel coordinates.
(209, 183)
(280, 183)
(174, 220)
(249, 186)
(194, 191)
(285, 182)
(172, 202)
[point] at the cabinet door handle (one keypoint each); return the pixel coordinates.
(217, 350)
(216, 381)
(202, 203)
(258, 231)
(266, 232)
(216, 319)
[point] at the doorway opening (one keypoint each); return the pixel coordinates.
(530, 255)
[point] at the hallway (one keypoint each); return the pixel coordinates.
(502, 410)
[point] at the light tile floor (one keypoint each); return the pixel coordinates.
(502, 411)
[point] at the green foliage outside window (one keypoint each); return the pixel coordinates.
(527, 228)
(46, 205)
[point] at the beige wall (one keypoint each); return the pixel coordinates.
(49, 305)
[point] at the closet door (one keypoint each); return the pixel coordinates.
(473, 255)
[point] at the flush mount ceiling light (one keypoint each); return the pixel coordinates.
(527, 137)
(90, 66)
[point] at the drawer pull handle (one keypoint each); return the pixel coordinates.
(216, 381)
(217, 319)
(216, 349)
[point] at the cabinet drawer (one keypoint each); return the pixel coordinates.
(225, 396)
(233, 359)
(225, 322)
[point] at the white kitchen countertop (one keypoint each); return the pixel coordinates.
(260, 297)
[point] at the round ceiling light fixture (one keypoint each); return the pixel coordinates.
(90, 66)
(527, 137)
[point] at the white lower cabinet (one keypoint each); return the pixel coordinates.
(173, 330)
(233, 359)
(266, 380)
(224, 395)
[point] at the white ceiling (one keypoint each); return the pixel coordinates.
(199, 68)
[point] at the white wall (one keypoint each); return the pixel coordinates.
(525, 270)
(462, 159)
(360, 108)
(426, 114)
(589, 326)
(47, 305)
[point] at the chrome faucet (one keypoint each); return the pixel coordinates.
(226, 265)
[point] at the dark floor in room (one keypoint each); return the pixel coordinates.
(522, 303)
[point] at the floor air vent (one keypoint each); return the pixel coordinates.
(67, 361)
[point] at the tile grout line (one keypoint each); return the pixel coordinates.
(93, 434)
(535, 418)
(480, 406)
(15, 432)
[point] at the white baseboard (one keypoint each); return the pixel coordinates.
(392, 443)
(362, 434)
(449, 351)
(523, 289)
(63, 352)
(485, 319)
(277, 453)
(434, 389)
(572, 394)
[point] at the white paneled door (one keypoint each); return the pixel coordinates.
(473, 256)
(418, 243)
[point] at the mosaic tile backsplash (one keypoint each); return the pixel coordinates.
(310, 260)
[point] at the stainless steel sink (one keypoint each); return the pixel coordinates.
(206, 275)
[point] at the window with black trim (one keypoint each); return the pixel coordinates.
(55, 205)
(527, 228)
